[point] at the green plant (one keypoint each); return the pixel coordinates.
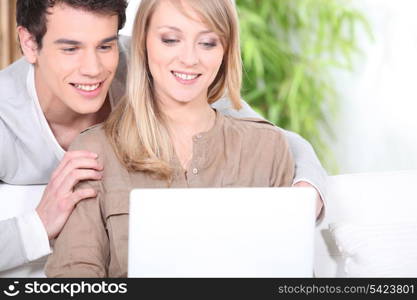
(289, 48)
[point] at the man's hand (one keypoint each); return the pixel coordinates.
(319, 201)
(59, 197)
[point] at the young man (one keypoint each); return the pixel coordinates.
(72, 75)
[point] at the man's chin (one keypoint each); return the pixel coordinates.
(87, 109)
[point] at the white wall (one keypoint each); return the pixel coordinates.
(376, 127)
(130, 16)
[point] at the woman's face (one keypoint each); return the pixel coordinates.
(184, 55)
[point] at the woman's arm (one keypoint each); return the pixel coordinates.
(82, 248)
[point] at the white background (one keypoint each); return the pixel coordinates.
(376, 126)
(130, 16)
(376, 129)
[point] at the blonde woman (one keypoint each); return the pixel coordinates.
(185, 56)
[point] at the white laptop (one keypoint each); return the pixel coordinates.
(221, 232)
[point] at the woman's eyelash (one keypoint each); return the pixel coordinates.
(209, 44)
(169, 41)
(204, 44)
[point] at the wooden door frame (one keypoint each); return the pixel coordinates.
(9, 50)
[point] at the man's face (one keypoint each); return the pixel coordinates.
(77, 61)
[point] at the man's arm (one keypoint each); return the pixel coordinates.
(308, 169)
(22, 239)
(26, 237)
(12, 253)
(4, 143)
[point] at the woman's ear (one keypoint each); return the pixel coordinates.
(28, 44)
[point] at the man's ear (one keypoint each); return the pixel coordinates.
(28, 44)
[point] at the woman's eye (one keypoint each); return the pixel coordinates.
(170, 41)
(208, 44)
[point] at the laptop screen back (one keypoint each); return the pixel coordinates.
(221, 232)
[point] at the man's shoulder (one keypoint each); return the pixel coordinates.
(14, 95)
(15, 70)
(117, 88)
(124, 50)
(13, 78)
(124, 43)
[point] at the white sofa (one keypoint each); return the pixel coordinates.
(373, 226)
(381, 207)
(15, 200)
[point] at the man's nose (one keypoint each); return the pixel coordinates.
(91, 64)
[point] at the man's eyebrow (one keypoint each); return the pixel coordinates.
(110, 39)
(77, 43)
(68, 42)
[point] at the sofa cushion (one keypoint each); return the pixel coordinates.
(377, 250)
(362, 198)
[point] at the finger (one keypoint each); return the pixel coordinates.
(72, 155)
(77, 163)
(76, 176)
(81, 194)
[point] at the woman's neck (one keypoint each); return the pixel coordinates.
(183, 121)
(189, 118)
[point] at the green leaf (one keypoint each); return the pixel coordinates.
(289, 49)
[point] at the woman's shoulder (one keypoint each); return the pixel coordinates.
(253, 133)
(94, 133)
(95, 139)
(91, 139)
(252, 127)
(261, 147)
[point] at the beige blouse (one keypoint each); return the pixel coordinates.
(235, 152)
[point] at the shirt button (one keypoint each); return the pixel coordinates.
(195, 171)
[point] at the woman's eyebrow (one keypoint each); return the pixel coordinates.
(179, 30)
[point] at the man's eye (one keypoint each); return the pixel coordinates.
(104, 48)
(69, 50)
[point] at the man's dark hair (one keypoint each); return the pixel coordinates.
(31, 14)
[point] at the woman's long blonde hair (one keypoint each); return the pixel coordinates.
(136, 128)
